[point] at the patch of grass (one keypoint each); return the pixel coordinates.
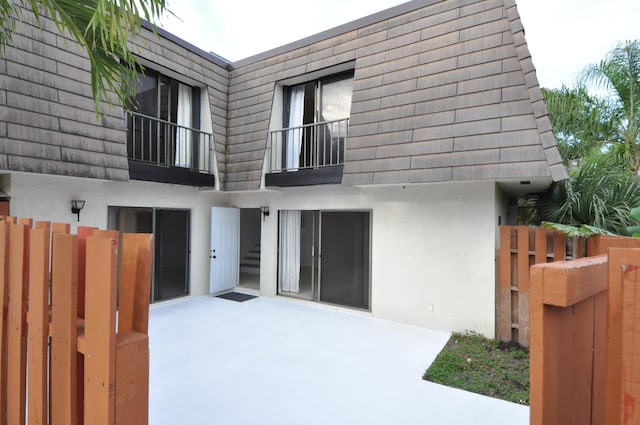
(474, 363)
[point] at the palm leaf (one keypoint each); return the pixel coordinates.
(103, 28)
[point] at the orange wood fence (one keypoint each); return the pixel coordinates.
(61, 359)
(585, 317)
(521, 247)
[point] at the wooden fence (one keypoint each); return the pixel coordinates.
(585, 367)
(521, 247)
(61, 360)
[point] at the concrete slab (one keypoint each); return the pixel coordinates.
(275, 361)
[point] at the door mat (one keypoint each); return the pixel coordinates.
(236, 296)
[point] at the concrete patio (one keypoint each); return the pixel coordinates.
(276, 361)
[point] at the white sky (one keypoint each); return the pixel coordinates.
(563, 35)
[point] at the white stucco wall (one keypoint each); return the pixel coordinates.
(48, 198)
(431, 245)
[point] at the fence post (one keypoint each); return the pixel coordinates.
(566, 316)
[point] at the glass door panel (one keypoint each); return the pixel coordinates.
(171, 265)
(344, 264)
(324, 256)
(297, 265)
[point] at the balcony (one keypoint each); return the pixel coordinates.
(165, 152)
(307, 155)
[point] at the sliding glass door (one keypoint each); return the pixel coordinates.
(344, 258)
(324, 256)
(171, 230)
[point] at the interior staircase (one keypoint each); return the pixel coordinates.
(250, 263)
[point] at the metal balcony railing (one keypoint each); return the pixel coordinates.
(161, 142)
(308, 146)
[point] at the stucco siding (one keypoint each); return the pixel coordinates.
(411, 267)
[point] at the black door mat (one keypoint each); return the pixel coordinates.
(236, 296)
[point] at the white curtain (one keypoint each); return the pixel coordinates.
(289, 261)
(183, 139)
(294, 137)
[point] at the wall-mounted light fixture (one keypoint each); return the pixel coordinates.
(265, 212)
(76, 206)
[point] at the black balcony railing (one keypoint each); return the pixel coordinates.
(161, 142)
(309, 146)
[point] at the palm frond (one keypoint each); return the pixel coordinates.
(104, 29)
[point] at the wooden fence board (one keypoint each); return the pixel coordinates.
(618, 257)
(4, 312)
(503, 307)
(101, 274)
(523, 286)
(83, 233)
(526, 246)
(64, 228)
(17, 341)
(581, 320)
(537, 345)
(540, 255)
(26, 221)
(132, 381)
(559, 247)
(135, 283)
(64, 329)
(38, 325)
(630, 345)
(132, 347)
(599, 358)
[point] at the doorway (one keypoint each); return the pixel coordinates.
(324, 256)
(171, 230)
(250, 248)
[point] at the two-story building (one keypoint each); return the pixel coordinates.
(368, 166)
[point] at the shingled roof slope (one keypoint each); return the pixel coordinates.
(443, 91)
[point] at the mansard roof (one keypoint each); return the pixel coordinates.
(443, 91)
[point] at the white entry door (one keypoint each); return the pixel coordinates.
(225, 249)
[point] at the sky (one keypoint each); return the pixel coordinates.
(563, 36)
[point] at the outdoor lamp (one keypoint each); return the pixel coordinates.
(265, 212)
(76, 206)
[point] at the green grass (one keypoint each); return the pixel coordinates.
(474, 363)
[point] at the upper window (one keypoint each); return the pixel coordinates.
(323, 100)
(315, 120)
(162, 97)
(163, 123)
